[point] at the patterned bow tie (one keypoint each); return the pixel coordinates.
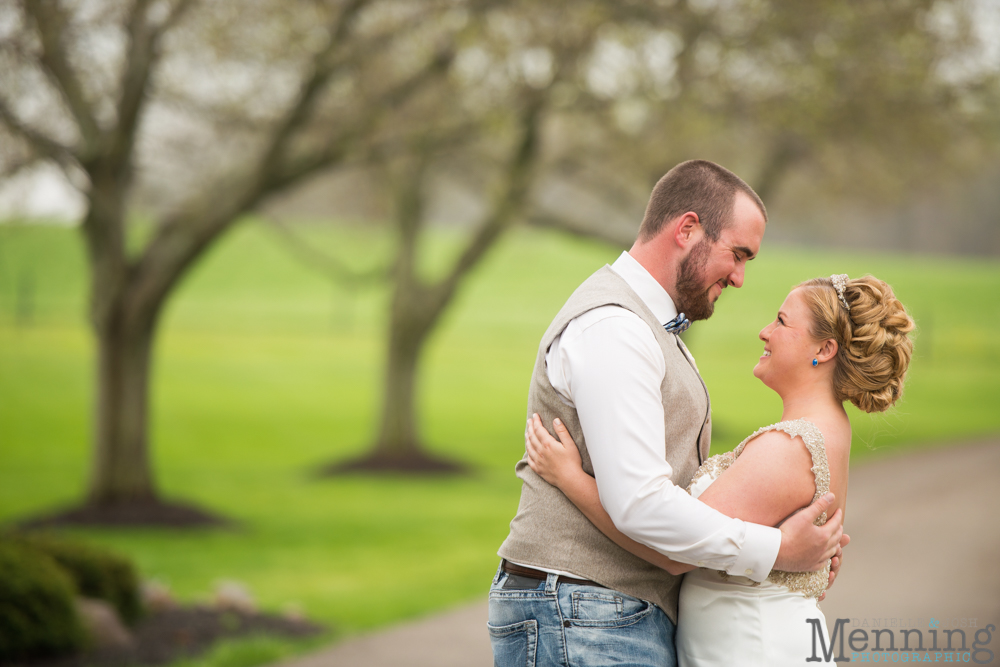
(678, 325)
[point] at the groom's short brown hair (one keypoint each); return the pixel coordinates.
(699, 186)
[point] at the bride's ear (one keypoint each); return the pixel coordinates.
(827, 351)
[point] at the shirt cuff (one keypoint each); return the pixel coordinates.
(760, 550)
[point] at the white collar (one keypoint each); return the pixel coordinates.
(649, 290)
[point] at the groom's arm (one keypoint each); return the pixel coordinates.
(610, 367)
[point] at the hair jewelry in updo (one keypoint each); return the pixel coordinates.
(872, 335)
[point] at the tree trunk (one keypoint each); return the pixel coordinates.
(415, 312)
(417, 306)
(408, 332)
(122, 489)
(121, 471)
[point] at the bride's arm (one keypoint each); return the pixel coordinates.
(764, 485)
(558, 463)
(768, 482)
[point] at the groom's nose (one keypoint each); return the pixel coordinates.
(736, 276)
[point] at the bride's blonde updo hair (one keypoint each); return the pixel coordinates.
(873, 339)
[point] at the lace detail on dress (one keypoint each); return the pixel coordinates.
(811, 584)
(713, 467)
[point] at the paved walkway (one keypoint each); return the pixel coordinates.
(926, 541)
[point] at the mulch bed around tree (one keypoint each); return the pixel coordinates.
(415, 462)
(148, 513)
(166, 636)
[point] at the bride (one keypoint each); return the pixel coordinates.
(833, 340)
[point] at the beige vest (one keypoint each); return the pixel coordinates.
(548, 530)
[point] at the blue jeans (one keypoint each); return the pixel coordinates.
(575, 626)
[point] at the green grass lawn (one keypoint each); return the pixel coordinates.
(264, 371)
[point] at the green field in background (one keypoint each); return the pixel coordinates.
(264, 370)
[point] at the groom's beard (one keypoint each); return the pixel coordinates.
(692, 296)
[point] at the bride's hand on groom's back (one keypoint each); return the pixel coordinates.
(555, 461)
(806, 547)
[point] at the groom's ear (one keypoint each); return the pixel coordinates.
(687, 230)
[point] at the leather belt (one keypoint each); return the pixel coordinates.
(531, 573)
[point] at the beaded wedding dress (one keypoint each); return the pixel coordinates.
(728, 620)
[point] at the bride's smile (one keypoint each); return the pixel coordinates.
(789, 347)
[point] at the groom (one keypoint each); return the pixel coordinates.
(613, 369)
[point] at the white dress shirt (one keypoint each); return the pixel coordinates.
(608, 365)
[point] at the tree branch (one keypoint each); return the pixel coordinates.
(337, 149)
(37, 140)
(180, 8)
(220, 118)
(184, 235)
(580, 171)
(298, 113)
(135, 78)
(619, 237)
(13, 167)
(51, 20)
(330, 266)
(509, 202)
(144, 40)
(197, 224)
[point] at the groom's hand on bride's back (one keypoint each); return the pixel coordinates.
(835, 564)
(806, 547)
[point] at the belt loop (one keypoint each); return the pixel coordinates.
(500, 572)
(550, 582)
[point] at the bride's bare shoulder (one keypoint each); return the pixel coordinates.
(779, 455)
(836, 430)
(778, 447)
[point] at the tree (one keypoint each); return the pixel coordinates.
(865, 100)
(284, 90)
(485, 122)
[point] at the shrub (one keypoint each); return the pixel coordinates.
(37, 615)
(97, 572)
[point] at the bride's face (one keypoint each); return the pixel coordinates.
(789, 346)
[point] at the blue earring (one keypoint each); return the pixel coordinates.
(815, 362)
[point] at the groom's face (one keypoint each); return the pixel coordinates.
(711, 266)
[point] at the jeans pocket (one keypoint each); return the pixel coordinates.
(514, 645)
(607, 609)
